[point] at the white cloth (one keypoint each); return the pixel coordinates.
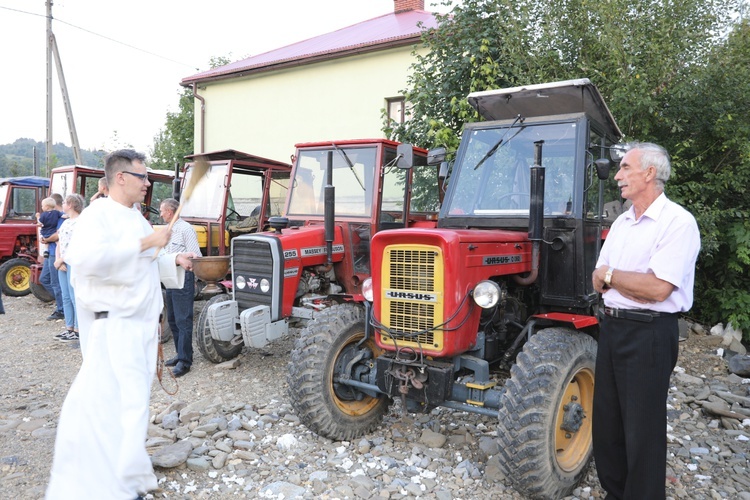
(665, 241)
(100, 446)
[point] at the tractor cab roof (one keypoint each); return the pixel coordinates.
(546, 99)
(27, 181)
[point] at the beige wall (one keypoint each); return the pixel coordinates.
(269, 113)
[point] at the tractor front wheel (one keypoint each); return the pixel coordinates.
(15, 277)
(545, 414)
(216, 351)
(325, 351)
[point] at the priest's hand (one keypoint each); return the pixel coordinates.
(158, 239)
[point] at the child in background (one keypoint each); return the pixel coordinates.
(48, 222)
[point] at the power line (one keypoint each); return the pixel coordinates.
(103, 36)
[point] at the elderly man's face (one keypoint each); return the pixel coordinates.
(631, 178)
(166, 213)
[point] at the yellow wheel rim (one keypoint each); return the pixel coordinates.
(367, 403)
(572, 447)
(18, 278)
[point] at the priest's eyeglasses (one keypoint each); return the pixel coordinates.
(142, 177)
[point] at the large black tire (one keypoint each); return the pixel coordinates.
(15, 277)
(324, 347)
(214, 350)
(553, 379)
(40, 292)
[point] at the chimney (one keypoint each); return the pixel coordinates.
(404, 5)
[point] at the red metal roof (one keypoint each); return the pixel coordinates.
(390, 30)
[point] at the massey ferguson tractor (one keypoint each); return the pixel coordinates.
(340, 195)
(502, 285)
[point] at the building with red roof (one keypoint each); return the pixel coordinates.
(333, 86)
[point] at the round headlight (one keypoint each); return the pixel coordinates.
(265, 285)
(240, 282)
(367, 289)
(486, 294)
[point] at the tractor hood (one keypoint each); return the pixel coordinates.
(546, 99)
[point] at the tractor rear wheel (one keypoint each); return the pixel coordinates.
(325, 348)
(216, 351)
(15, 277)
(40, 292)
(545, 414)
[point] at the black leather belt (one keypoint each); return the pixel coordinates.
(101, 314)
(643, 315)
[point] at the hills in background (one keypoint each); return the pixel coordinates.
(17, 159)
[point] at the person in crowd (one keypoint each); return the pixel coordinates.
(645, 273)
(47, 222)
(180, 301)
(49, 278)
(100, 445)
(72, 206)
(102, 191)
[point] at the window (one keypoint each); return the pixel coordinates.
(397, 109)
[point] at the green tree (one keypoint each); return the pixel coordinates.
(175, 140)
(669, 73)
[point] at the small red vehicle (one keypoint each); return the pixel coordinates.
(20, 200)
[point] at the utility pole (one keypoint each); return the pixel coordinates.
(52, 50)
(48, 148)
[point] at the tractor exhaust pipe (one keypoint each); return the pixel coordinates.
(536, 215)
(329, 204)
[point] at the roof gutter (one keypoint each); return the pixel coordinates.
(202, 133)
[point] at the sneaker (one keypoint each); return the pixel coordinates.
(55, 316)
(63, 334)
(69, 337)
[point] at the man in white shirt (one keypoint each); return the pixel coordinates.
(100, 446)
(180, 300)
(645, 273)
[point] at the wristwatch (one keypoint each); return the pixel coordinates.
(608, 276)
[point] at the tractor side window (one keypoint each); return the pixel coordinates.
(22, 203)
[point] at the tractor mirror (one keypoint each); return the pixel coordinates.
(405, 155)
(436, 156)
(617, 152)
(602, 168)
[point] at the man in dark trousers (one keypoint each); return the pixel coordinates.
(645, 272)
(180, 300)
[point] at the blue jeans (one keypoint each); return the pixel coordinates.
(180, 318)
(51, 282)
(69, 299)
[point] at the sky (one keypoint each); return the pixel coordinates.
(123, 61)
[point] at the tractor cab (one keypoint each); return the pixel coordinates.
(239, 193)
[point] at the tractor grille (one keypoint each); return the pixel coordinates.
(252, 260)
(412, 296)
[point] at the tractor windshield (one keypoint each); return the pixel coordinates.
(491, 177)
(353, 172)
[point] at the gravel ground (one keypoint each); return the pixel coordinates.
(245, 441)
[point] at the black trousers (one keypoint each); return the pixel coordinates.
(633, 364)
(180, 318)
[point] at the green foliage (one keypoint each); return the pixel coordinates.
(674, 73)
(17, 159)
(175, 140)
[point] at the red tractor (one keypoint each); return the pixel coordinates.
(20, 201)
(341, 194)
(502, 284)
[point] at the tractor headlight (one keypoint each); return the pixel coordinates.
(486, 294)
(240, 282)
(367, 289)
(265, 285)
